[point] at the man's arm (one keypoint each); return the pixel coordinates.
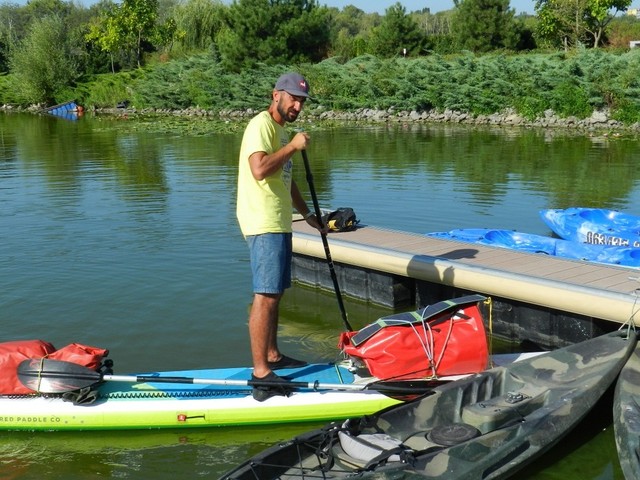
(263, 164)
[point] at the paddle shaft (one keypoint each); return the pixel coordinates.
(316, 385)
(56, 376)
(325, 242)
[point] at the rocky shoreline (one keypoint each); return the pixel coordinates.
(598, 121)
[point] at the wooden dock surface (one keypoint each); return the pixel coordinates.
(584, 288)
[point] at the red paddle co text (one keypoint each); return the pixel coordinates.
(30, 419)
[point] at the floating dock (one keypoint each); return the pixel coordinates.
(547, 300)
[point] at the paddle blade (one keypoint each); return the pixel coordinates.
(405, 390)
(55, 376)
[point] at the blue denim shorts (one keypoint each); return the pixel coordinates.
(270, 262)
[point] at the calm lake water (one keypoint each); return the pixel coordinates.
(126, 239)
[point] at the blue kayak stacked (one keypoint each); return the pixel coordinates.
(528, 242)
(67, 110)
(595, 226)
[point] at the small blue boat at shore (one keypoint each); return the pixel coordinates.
(528, 242)
(68, 110)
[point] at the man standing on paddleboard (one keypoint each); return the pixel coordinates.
(266, 197)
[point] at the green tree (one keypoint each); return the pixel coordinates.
(398, 33)
(576, 22)
(15, 20)
(12, 28)
(166, 33)
(557, 21)
(138, 22)
(44, 8)
(350, 31)
(105, 32)
(45, 62)
(435, 23)
(623, 30)
(129, 27)
(273, 32)
(484, 25)
(526, 26)
(198, 23)
(438, 30)
(350, 19)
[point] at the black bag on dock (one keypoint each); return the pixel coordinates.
(341, 220)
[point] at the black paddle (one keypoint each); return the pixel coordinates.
(57, 376)
(325, 243)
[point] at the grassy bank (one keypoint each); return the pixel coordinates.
(570, 84)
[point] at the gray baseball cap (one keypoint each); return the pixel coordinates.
(294, 84)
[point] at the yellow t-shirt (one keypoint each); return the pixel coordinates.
(264, 206)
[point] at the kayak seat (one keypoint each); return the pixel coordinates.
(504, 410)
(367, 450)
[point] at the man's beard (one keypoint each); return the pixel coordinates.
(288, 115)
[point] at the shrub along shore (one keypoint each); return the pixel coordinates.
(584, 90)
(225, 120)
(598, 121)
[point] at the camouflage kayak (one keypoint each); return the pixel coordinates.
(626, 417)
(486, 426)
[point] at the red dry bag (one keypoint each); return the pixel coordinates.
(11, 355)
(85, 355)
(447, 338)
(14, 353)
